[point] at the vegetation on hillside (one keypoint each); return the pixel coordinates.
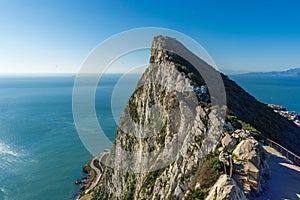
(208, 173)
(258, 117)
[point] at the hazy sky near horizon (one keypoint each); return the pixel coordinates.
(39, 36)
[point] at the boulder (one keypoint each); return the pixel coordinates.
(250, 150)
(235, 135)
(251, 156)
(225, 189)
(252, 170)
(228, 142)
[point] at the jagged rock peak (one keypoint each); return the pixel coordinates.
(167, 51)
(166, 43)
(162, 42)
(164, 133)
(162, 47)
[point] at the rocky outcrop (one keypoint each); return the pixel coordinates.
(229, 142)
(251, 166)
(165, 131)
(226, 189)
(171, 141)
(249, 161)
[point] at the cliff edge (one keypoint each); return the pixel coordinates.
(178, 134)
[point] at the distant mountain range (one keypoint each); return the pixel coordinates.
(289, 73)
(232, 72)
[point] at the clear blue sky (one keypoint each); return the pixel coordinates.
(57, 35)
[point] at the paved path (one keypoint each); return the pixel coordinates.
(97, 170)
(285, 178)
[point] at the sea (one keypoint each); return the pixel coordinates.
(41, 154)
(283, 91)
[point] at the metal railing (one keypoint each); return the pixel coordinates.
(284, 151)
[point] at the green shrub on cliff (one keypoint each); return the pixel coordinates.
(209, 172)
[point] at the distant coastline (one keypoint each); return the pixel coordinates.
(290, 115)
(280, 90)
(295, 72)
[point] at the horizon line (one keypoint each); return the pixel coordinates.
(58, 74)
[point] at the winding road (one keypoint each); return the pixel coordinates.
(97, 170)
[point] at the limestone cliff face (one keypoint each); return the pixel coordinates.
(172, 141)
(163, 134)
(226, 189)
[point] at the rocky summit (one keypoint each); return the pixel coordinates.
(178, 137)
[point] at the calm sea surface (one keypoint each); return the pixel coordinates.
(41, 154)
(284, 91)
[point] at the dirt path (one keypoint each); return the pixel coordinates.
(285, 178)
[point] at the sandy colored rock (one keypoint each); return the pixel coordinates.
(252, 160)
(228, 143)
(226, 189)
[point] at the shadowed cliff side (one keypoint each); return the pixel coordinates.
(270, 124)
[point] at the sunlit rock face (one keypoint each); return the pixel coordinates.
(172, 141)
(226, 189)
(166, 129)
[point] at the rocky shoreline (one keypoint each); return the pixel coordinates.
(86, 180)
(93, 170)
(290, 115)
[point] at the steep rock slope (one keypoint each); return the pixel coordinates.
(167, 137)
(163, 134)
